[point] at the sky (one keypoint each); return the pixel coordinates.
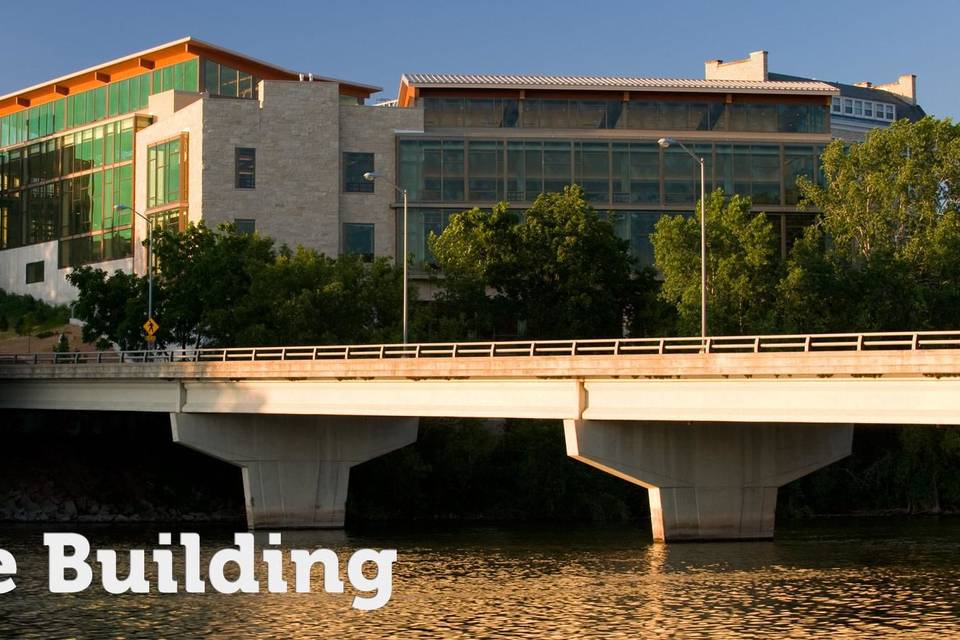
(374, 42)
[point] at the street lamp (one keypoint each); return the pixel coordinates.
(370, 176)
(123, 207)
(665, 143)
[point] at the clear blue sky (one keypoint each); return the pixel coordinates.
(374, 42)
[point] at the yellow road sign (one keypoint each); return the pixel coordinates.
(151, 327)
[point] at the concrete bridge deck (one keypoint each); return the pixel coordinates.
(711, 427)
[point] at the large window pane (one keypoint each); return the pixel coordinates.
(798, 161)
(453, 171)
(354, 166)
(765, 174)
(358, 239)
(593, 170)
(485, 180)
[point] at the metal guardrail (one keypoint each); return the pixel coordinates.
(901, 341)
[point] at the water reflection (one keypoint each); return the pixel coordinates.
(846, 579)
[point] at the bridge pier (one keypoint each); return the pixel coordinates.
(708, 480)
(296, 468)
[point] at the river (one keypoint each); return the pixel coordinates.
(843, 578)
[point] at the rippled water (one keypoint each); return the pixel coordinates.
(833, 580)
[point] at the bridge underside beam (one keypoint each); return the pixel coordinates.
(295, 468)
(708, 480)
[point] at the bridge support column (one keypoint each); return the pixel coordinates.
(295, 467)
(708, 480)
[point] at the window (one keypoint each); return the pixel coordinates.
(164, 173)
(221, 80)
(836, 105)
(889, 112)
(34, 272)
(858, 107)
(868, 109)
(848, 106)
(245, 225)
(246, 168)
(354, 166)
(358, 240)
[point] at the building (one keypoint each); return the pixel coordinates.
(491, 138)
(189, 131)
(179, 133)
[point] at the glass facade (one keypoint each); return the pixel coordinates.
(660, 115)
(222, 80)
(633, 183)
(165, 179)
(610, 172)
(113, 99)
(66, 187)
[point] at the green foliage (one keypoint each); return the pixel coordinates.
(63, 345)
(29, 315)
(224, 288)
(203, 276)
(893, 469)
(742, 267)
(560, 271)
(113, 308)
(472, 469)
(308, 298)
(884, 253)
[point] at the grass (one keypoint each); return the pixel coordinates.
(23, 315)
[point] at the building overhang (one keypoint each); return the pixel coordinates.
(412, 85)
(155, 58)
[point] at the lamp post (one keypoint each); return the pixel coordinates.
(123, 207)
(371, 176)
(665, 143)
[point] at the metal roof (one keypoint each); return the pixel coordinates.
(612, 83)
(184, 41)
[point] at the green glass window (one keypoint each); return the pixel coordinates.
(163, 173)
(358, 239)
(211, 77)
(229, 82)
(170, 219)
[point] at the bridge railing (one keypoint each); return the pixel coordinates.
(523, 348)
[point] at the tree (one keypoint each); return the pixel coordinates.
(884, 252)
(113, 308)
(742, 267)
(305, 297)
(202, 277)
(63, 344)
(560, 271)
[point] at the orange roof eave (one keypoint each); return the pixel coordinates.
(146, 60)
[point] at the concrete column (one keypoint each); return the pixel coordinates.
(708, 480)
(296, 468)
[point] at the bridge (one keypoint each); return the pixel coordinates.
(711, 427)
